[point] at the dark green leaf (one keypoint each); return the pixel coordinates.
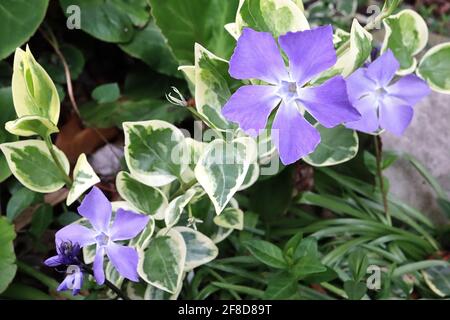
(355, 290)
(21, 200)
(267, 253)
(106, 93)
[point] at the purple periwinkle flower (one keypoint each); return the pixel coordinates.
(383, 103)
(127, 224)
(67, 254)
(311, 52)
(73, 280)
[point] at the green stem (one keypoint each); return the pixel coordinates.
(183, 188)
(44, 279)
(334, 289)
(379, 159)
(58, 163)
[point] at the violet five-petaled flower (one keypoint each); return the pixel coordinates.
(67, 254)
(310, 52)
(384, 104)
(73, 280)
(127, 224)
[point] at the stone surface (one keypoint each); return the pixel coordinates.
(428, 140)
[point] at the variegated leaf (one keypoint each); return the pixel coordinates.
(162, 263)
(155, 151)
(275, 16)
(199, 248)
(34, 92)
(27, 126)
(176, 207)
(406, 35)
(435, 68)
(146, 199)
(84, 177)
(223, 167)
(31, 163)
(212, 87)
(230, 218)
(337, 145)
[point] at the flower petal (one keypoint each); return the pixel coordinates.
(99, 273)
(383, 69)
(310, 52)
(257, 56)
(127, 225)
(53, 261)
(368, 123)
(329, 103)
(63, 286)
(97, 209)
(359, 85)
(77, 283)
(395, 115)
(124, 259)
(293, 136)
(250, 107)
(75, 233)
(410, 89)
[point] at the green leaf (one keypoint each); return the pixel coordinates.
(27, 126)
(31, 163)
(199, 248)
(230, 218)
(106, 93)
(355, 290)
(222, 168)
(162, 263)
(8, 267)
(435, 68)
(146, 199)
(115, 113)
(291, 246)
(406, 36)
(110, 20)
(34, 92)
(155, 151)
(358, 263)
(42, 219)
(84, 177)
(281, 286)
(438, 280)
(306, 266)
(8, 113)
(275, 16)
(337, 145)
(267, 253)
(150, 46)
(175, 208)
(19, 20)
(20, 200)
(182, 25)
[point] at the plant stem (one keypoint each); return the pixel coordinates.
(58, 163)
(108, 283)
(44, 279)
(379, 159)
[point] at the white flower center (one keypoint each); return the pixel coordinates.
(287, 91)
(102, 239)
